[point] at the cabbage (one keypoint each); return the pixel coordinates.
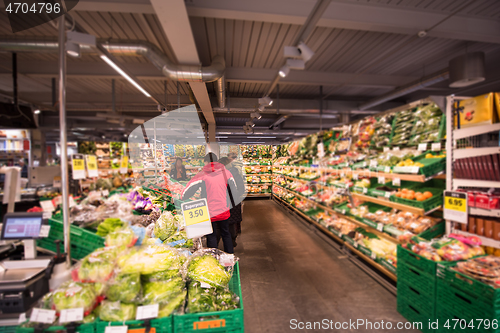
(117, 311)
(98, 266)
(169, 294)
(149, 259)
(120, 237)
(74, 295)
(109, 225)
(165, 226)
(207, 269)
(160, 276)
(174, 303)
(210, 299)
(180, 240)
(124, 288)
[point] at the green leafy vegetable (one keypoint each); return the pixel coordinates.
(211, 299)
(74, 295)
(117, 311)
(125, 288)
(207, 269)
(120, 237)
(166, 226)
(98, 266)
(149, 259)
(109, 225)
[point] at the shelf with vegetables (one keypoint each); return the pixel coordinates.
(474, 162)
(258, 170)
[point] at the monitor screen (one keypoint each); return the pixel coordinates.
(22, 225)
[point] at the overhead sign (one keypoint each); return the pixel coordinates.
(78, 163)
(455, 206)
(196, 218)
(92, 166)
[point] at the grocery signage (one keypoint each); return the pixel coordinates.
(78, 163)
(196, 218)
(91, 166)
(124, 165)
(455, 206)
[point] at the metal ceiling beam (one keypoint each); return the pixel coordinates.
(145, 72)
(355, 16)
(174, 19)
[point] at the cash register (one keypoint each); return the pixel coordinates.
(23, 281)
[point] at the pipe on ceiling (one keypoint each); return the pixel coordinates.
(186, 73)
(424, 82)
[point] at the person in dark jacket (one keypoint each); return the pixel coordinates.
(236, 217)
(178, 171)
(216, 184)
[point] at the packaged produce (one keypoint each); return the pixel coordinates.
(121, 237)
(74, 295)
(166, 226)
(97, 266)
(109, 225)
(117, 311)
(169, 294)
(149, 259)
(211, 266)
(124, 288)
(485, 269)
(202, 298)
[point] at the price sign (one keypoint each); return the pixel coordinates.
(71, 201)
(387, 169)
(396, 182)
(43, 316)
(373, 163)
(57, 182)
(422, 147)
(355, 176)
(380, 227)
(71, 315)
(381, 180)
(78, 163)
(387, 195)
(147, 312)
(116, 329)
(44, 231)
(124, 165)
(92, 166)
(47, 205)
(373, 256)
(196, 218)
(386, 149)
(436, 146)
(321, 150)
(455, 206)
(22, 318)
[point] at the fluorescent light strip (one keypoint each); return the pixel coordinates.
(122, 73)
(261, 137)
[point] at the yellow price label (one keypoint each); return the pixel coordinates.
(196, 215)
(78, 165)
(457, 204)
(124, 163)
(91, 163)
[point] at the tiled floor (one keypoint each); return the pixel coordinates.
(288, 272)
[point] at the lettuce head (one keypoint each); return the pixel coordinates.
(207, 269)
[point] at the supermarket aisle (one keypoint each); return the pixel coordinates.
(289, 272)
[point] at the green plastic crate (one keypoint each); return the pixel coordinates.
(426, 205)
(83, 242)
(84, 328)
(8, 329)
(387, 265)
(417, 286)
(415, 313)
(434, 232)
(421, 264)
(221, 321)
(160, 325)
(432, 166)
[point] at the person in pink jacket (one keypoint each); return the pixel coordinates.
(217, 185)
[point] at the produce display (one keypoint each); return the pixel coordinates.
(445, 249)
(485, 269)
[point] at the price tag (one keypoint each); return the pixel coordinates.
(455, 206)
(47, 205)
(422, 147)
(47, 215)
(380, 227)
(105, 193)
(71, 201)
(396, 182)
(386, 149)
(116, 329)
(355, 176)
(124, 165)
(196, 218)
(395, 149)
(57, 182)
(92, 166)
(381, 180)
(147, 312)
(321, 149)
(355, 244)
(373, 256)
(342, 174)
(43, 316)
(22, 318)
(373, 163)
(94, 195)
(78, 163)
(436, 146)
(44, 231)
(365, 190)
(387, 169)
(71, 315)
(387, 195)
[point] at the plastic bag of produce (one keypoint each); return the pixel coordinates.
(125, 288)
(204, 298)
(179, 240)
(210, 266)
(117, 311)
(149, 259)
(75, 295)
(165, 226)
(169, 294)
(97, 266)
(121, 237)
(110, 225)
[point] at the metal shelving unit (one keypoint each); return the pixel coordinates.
(455, 152)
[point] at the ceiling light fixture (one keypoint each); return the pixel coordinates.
(250, 123)
(255, 115)
(73, 50)
(284, 71)
(305, 52)
(298, 64)
(37, 111)
(266, 101)
(122, 73)
(261, 108)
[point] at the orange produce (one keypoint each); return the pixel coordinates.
(427, 195)
(410, 196)
(411, 192)
(420, 197)
(417, 194)
(398, 194)
(404, 190)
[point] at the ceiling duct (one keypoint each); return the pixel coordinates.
(424, 82)
(467, 69)
(186, 73)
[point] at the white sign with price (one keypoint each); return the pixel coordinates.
(422, 147)
(71, 315)
(116, 329)
(43, 316)
(196, 218)
(396, 182)
(147, 312)
(436, 146)
(321, 149)
(44, 231)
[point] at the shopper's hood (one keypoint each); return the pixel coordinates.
(213, 167)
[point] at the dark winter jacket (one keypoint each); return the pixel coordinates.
(173, 173)
(240, 191)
